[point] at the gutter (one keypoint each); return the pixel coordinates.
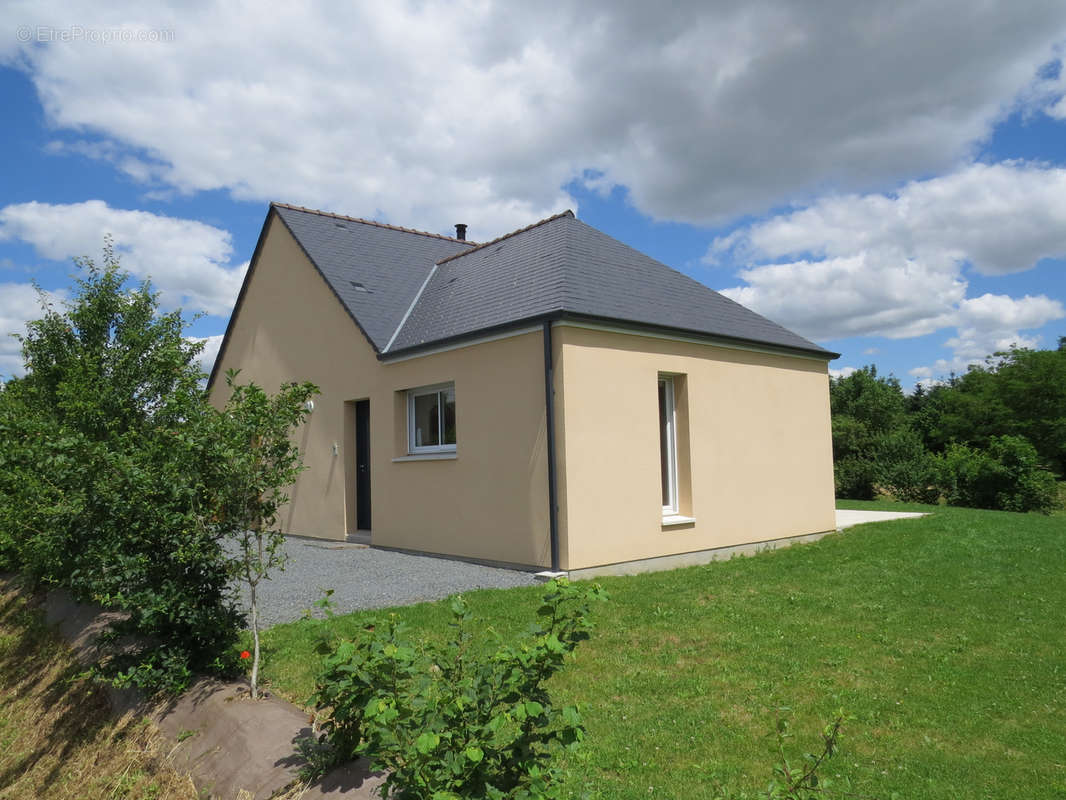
(607, 323)
(549, 407)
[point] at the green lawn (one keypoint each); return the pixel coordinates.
(944, 638)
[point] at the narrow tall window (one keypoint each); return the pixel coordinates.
(431, 419)
(668, 443)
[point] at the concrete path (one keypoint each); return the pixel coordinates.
(848, 518)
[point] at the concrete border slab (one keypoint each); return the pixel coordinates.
(847, 518)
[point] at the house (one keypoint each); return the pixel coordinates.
(552, 399)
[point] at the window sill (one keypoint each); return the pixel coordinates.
(427, 457)
(677, 519)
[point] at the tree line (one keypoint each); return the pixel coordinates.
(992, 438)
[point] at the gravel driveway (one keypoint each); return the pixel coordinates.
(363, 577)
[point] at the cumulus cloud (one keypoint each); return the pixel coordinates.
(210, 351)
(998, 218)
(187, 261)
(842, 372)
(428, 113)
(895, 265)
(19, 303)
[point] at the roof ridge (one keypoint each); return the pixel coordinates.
(552, 218)
(375, 223)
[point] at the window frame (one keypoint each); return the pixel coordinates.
(422, 391)
(669, 435)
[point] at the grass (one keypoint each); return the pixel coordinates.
(942, 637)
(57, 739)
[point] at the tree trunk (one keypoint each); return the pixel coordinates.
(255, 650)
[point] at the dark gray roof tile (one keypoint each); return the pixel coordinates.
(564, 265)
(375, 269)
(557, 266)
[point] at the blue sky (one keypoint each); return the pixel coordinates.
(886, 180)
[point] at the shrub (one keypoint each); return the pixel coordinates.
(903, 467)
(1006, 476)
(106, 472)
(119, 481)
(451, 721)
(854, 478)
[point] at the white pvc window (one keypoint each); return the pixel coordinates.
(668, 444)
(431, 419)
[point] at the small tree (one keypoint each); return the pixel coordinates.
(106, 458)
(259, 461)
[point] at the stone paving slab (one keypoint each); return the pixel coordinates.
(847, 518)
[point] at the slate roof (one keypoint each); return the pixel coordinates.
(389, 262)
(563, 266)
(419, 289)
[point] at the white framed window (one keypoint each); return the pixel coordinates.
(668, 444)
(431, 419)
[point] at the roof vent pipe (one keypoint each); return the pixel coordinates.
(460, 231)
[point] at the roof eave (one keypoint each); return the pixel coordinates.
(240, 299)
(636, 327)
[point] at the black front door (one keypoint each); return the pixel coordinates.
(362, 465)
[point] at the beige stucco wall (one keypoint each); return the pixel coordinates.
(754, 437)
(489, 503)
(759, 450)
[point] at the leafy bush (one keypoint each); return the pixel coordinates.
(40, 493)
(107, 476)
(855, 478)
(1005, 476)
(451, 721)
(119, 480)
(866, 409)
(903, 467)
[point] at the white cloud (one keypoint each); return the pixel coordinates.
(210, 351)
(1001, 218)
(428, 113)
(865, 294)
(19, 303)
(871, 351)
(895, 265)
(187, 261)
(842, 372)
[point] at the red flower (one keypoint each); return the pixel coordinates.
(245, 654)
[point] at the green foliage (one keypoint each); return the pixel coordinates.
(792, 782)
(105, 476)
(255, 459)
(995, 432)
(903, 467)
(452, 721)
(1006, 475)
(876, 403)
(119, 481)
(868, 414)
(1017, 393)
